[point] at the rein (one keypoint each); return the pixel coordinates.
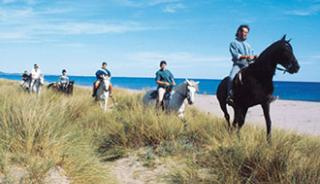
(282, 69)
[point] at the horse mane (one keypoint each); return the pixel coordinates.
(264, 68)
(181, 85)
(265, 65)
(266, 52)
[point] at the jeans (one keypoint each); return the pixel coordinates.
(235, 69)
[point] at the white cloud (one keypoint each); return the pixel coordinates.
(145, 3)
(30, 2)
(40, 31)
(82, 28)
(29, 24)
(172, 8)
(312, 10)
(12, 35)
(157, 2)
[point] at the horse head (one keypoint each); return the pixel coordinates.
(105, 83)
(192, 88)
(286, 57)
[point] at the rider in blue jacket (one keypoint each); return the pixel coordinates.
(99, 75)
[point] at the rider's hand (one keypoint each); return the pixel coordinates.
(251, 57)
(166, 83)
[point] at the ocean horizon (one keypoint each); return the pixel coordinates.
(286, 90)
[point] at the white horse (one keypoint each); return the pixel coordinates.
(185, 90)
(35, 85)
(102, 94)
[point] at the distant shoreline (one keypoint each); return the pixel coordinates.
(147, 77)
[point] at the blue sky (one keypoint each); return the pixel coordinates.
(134, 35)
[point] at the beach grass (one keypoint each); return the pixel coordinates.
(38, 133)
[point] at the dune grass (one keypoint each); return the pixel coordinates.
(51, 130)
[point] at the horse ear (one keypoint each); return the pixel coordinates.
(188, 82)
(198, 82)
(284, 37)
(289, 40)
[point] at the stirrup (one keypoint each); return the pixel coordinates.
(230, 101)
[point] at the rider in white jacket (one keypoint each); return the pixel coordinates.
(36, 75)
(36, 72)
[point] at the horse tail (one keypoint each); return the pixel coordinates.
(222, 95)
(50, 85)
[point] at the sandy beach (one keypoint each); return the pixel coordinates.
(298, 116)
(301, 117)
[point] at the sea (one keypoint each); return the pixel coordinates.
(302, 91)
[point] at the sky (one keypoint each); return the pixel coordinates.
(133, 36)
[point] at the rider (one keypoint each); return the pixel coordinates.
(165, 81)
(99, 75)
(25, 76)
(25, 79)
(64, 79)
(35, 74)
(242, 55)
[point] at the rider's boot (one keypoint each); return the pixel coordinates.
(95, 87)
(230, 100)
(110, 90)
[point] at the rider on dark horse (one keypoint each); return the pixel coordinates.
(242, 55)
(63, 80)
(25, 76)
(165, 82)
(99, 75)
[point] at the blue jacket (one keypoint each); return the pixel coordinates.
(239, 48)
(105, 72)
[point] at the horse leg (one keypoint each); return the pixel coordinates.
(266, 112)
(101, 104)
(39, 89)
(242, 117)
(235, 117)
(181, 111)
(239, 118)
(225, 112)
(31, 87)
(106, 102)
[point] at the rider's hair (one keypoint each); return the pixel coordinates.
(104, 63)
(163, 62)
(241, 27)
(64, 70)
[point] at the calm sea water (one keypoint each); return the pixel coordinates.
(306, 91)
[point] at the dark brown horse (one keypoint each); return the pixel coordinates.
(68, 89)
(253, 85)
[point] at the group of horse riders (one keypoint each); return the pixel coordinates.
(241, 52)
(30, 79)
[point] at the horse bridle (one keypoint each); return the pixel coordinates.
(286, 69)
(105, 88)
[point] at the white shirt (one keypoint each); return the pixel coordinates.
(35, 74)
